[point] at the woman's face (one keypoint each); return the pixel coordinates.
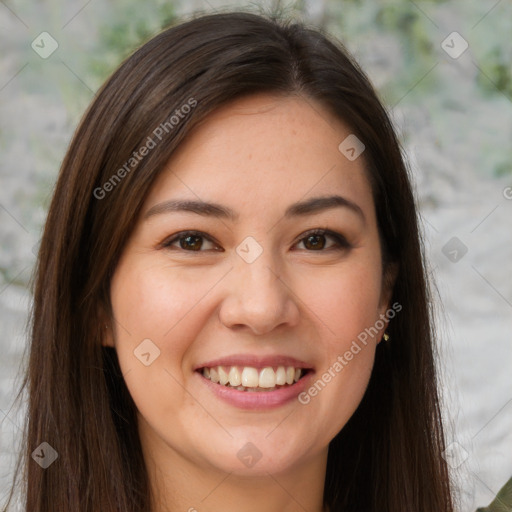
(251, 291)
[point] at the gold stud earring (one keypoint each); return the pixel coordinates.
(385, 336)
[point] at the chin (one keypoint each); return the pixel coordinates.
(255, 458)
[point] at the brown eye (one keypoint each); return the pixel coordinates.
(316, 240)
(190, 241)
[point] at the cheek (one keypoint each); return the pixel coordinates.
(344, 300)
(153, 301)
(154, 309)
(345, 303)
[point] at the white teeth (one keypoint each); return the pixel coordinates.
(235, 379)
(249, 379)
(280, 376)
(267, 378)
(223, 376)
(214, 375)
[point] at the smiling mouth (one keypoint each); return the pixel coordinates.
(250, 379)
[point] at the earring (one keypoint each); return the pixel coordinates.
(385, 336)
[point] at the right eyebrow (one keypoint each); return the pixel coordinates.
(199, 207)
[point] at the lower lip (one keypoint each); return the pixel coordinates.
(258, 400)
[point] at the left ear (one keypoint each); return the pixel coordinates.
(389, 276)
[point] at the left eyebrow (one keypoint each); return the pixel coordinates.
(319, 204)
(311, 206)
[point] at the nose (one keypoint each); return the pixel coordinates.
(258, 299)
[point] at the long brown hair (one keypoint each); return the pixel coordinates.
(389, 455)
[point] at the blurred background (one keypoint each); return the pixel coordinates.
(444, 71)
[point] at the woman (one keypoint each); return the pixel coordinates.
(231, 307)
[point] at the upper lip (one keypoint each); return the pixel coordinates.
(255, 361)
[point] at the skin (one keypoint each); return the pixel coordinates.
(256, 156)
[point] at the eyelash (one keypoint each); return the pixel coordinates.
(340, 241)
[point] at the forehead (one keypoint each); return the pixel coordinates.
(261, 153)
